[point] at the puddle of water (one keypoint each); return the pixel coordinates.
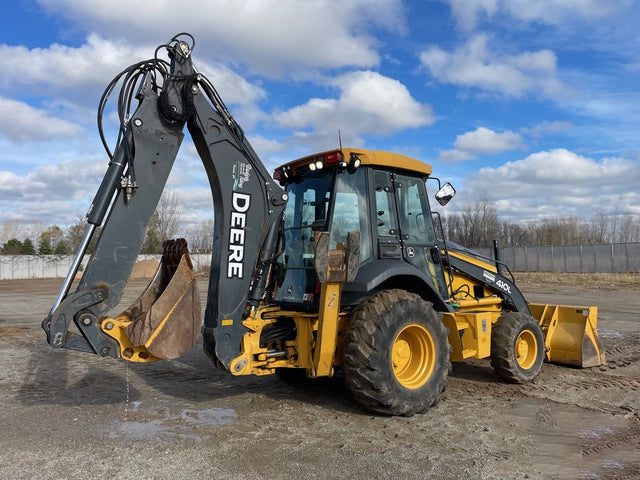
(133, 407)
(171, 426)
(587, 434)
(571, 442)
(137, 430)
(610, 334)
(209, 416)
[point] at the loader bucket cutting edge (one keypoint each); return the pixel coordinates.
(571, 336)
(164, 321)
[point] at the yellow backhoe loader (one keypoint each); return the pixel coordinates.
(335, 262)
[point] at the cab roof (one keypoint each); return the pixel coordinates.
(377, 158)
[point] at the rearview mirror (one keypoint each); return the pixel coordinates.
(445, 194)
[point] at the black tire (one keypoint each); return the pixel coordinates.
(396, 354)
(517, 347)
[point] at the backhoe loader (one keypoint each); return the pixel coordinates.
(335, 262)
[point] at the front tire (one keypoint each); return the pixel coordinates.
(517, 347)
(396, 354)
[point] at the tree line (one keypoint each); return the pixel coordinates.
(476, 226)
(51, 241)
(164, 224)
(479, 224)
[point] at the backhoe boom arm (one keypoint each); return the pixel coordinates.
(247, 204)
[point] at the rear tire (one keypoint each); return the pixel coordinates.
(517, 347)
(396, 354)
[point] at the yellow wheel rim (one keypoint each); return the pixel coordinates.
(413, 356)
(526, 349)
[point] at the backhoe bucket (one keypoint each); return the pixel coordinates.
(571, 337)
(164, 322)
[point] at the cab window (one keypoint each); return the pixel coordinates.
(350, 211)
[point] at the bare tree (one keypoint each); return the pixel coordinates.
(477, 226)
(170, 211)
(479, 223)
(600, 224)
(200, 236)
(629, 229)
(9, 230)
(164, 222)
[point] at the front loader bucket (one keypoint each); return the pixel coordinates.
(571, 337)
(164, 321)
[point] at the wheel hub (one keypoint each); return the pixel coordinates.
(401, 354)
(526, 348)
(413, 356)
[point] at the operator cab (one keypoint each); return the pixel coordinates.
(383, 196)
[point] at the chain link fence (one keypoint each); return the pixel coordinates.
(606, 258)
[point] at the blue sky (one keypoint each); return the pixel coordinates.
(532, 105)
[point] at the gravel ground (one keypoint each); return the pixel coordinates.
(73, 415)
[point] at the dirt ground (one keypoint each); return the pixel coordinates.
(72, 415)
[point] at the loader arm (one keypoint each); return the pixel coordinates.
(247, 205)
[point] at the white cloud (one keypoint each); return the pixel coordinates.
(484, 140)
(269, 35)
(474, 65)
(64, 68)
(548, 128)
(72, 180)
(559, 182)
(20, 122)
(265, 146)
(60, 69)
(467, 13)
(481, 141)
(559, 166)
(54, 193)
(368, 103)
(556, 12)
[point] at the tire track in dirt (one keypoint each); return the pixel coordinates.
(623, 352)
(569, 388)
(617, 440)
(616, 450)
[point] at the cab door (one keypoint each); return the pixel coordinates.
(416, 231)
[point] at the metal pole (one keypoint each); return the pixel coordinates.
(581, 266)
(496, 255)
(84, 244)
(626, 254)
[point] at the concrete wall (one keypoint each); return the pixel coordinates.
(56, 266)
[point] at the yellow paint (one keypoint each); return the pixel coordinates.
(570, 334)
(413, 356)
(470, 333)
(377, 158)
(139, 354)
(327, 329)
(526, 349)
(227, 322)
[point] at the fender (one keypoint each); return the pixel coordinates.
(381, 274)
